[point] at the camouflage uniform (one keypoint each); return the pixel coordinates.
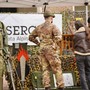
(49, 36)
(2, 43)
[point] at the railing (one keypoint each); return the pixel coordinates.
(66, 46)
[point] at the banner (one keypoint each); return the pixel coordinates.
(19, 26)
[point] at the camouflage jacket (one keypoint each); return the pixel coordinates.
(4, 46)
(3, 38)
(48, 34)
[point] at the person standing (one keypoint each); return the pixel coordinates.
(89, 22)
(50, 37)
(82, 54)
(3, 46)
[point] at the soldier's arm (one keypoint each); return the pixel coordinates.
(6, 37)
(57, 34)
(33, 35)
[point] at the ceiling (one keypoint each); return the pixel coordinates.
(39, 3)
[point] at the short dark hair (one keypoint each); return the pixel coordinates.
(78, 24)
(89, 20)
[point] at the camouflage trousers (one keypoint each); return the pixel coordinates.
(1, 72)
(51, 61)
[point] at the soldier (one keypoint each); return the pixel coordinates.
(3, 45)
(50, 37)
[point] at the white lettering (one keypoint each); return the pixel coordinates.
(11, 38)
(19, 38)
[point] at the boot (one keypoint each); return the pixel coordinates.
(47, 88)
(60, 89)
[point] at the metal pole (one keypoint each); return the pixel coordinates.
(86, 4)
(39, 10)
(86, 15)
(11, 74)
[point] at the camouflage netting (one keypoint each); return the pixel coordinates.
(68, 65)
(33, 64)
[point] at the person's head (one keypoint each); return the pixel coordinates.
(78, 24)
(89, 22)
(49, 15)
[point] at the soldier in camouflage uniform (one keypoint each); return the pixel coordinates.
(3, 45)
(49, 36)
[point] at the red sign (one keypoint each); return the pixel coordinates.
(21, 53)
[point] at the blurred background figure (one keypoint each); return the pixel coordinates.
(82, 54)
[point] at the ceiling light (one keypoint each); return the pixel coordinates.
(86, 2)
(33, 5)
(6, 0)
(45, 3)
